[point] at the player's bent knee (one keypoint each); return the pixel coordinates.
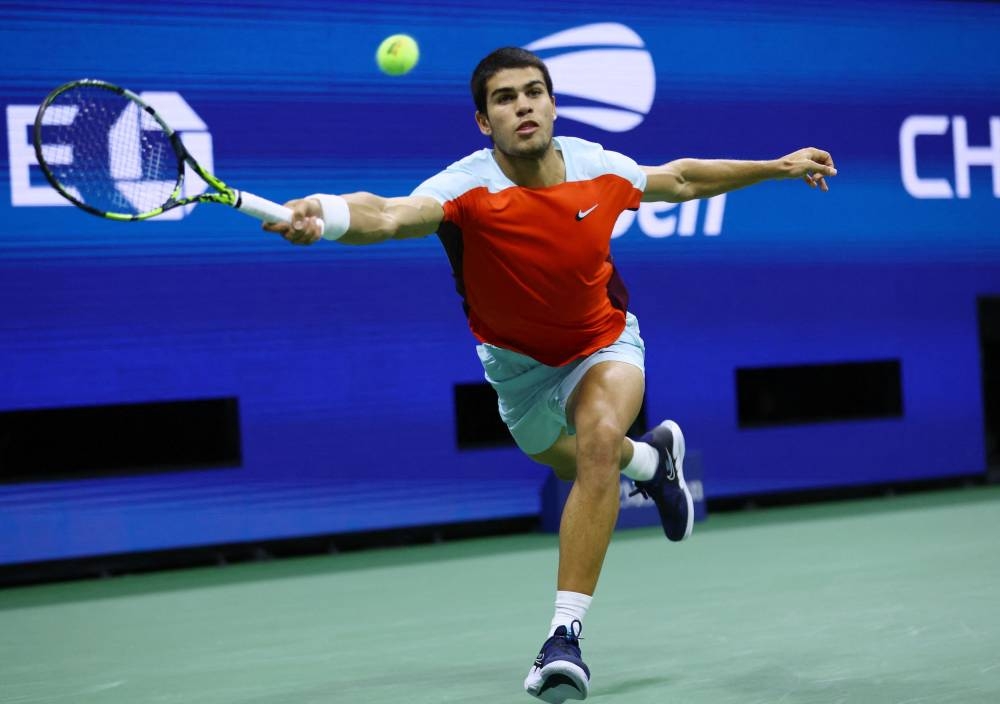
(601, 442)
(600, 428)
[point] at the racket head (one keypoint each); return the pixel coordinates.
(107, 151)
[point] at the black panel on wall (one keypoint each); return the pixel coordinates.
(815, 393)
(133, 438)
(477, 419)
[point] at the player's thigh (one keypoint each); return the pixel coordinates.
(610, 393)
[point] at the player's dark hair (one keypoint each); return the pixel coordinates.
(496, 61)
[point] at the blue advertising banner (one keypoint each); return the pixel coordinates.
(344, 359)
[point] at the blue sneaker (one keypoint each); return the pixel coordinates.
(667, 488)
(559, 672)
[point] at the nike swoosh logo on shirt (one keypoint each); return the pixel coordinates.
(581, 214)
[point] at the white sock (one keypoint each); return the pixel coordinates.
(643, 463)
(570, 606)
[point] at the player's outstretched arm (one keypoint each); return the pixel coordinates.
(688, 179)
(359, 218)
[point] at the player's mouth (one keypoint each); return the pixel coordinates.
(527, 128)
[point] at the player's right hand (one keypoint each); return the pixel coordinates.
(306, 226)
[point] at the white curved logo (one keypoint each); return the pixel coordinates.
(607, 68)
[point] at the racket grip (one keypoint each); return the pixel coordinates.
(264, 209)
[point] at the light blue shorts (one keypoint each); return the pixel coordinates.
(532, 396)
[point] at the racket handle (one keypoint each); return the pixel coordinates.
(264, 209)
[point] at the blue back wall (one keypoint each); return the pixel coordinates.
(344, 359)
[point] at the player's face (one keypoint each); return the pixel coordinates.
(519, 113)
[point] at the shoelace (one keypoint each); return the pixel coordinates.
(638, 490)
(572, 637)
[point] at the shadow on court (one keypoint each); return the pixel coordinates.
(613, 690)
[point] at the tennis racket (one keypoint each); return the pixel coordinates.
(105, 150)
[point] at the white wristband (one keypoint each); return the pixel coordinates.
(336, 215)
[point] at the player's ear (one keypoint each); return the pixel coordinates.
(484, 123)
(555, 113)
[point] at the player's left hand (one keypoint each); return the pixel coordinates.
(812, 165)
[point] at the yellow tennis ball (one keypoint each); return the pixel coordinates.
(397, 54)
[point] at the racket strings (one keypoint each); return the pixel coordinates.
(107, 153)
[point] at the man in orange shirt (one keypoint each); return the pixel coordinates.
(527, 228)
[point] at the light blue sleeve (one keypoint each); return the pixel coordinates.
(625, 167)
(590, 160)
(445, 185)
(461, 177)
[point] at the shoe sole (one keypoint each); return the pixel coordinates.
(558, 682)
(678, 457)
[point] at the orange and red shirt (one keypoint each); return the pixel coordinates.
(533, 265)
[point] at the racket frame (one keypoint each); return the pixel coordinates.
(258, 207)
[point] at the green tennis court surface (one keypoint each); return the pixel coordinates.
(882, 600)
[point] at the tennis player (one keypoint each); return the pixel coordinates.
(527, 228)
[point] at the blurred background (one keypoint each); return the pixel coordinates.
(193, 383)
